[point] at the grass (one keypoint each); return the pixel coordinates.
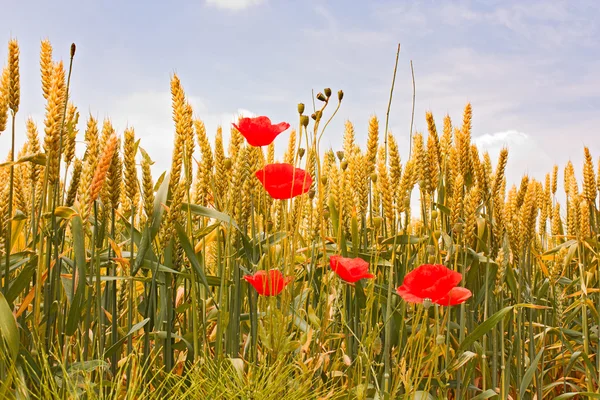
(117, 284)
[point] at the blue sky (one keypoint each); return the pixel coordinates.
(529, 68)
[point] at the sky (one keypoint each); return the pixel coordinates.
(531, 69)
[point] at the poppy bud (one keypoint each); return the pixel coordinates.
(311, 194)
(431, 250)
(300, 108)
(321, 96)
(340, 155)
(327, 92)
(324, 180)
(326, 214)
(437, 234)
(427, 303)
(434, 214)
(439, 340)
(301, 152)
(73, 48)
(227, 163)
(344, 165)
(431, 259)
(377, 221)
(313, 116)
(340, 95)
(374, 177)
(304, 120)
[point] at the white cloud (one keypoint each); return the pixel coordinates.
(524, 154)
(234, 5)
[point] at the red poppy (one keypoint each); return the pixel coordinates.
(259, 131)
(284, 181)
(456, 296)
(350, 269)
(434, 282)
(268, 284)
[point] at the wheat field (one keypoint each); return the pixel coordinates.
(119, 284)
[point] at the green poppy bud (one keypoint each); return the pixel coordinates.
(304, 120)
(321, 96)
(340, 95)
(301, 152)
(344, 165)
(327, 92)
(300, 108)
(427, 303)
(340, 155)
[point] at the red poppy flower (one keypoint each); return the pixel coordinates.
(350, 269)
(259, 131)
(456, 296)
(268, 284)
(284, 181)
(434, 282)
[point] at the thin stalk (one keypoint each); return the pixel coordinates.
(10, 208)
(387, 115)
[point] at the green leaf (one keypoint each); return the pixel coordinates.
(529, 373)
(482, 329)
(560, 246)
(38, 158)
(209, 213)
(64, 212)
(159, 200)
(87, 366)
(22, 280)
(79, 277)
(335, 221)
(405, 239)
(191, 255)
(488, 394)
(9, 332)
(443, 208)
(109, 352)
(464, 358)
(144, 246)
(570, 395)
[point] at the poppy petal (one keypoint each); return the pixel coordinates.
(350, 269)
(456, 296)
(431, 281)
(270, 284)
(259, 131)
(283, 181)
(405, 293)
